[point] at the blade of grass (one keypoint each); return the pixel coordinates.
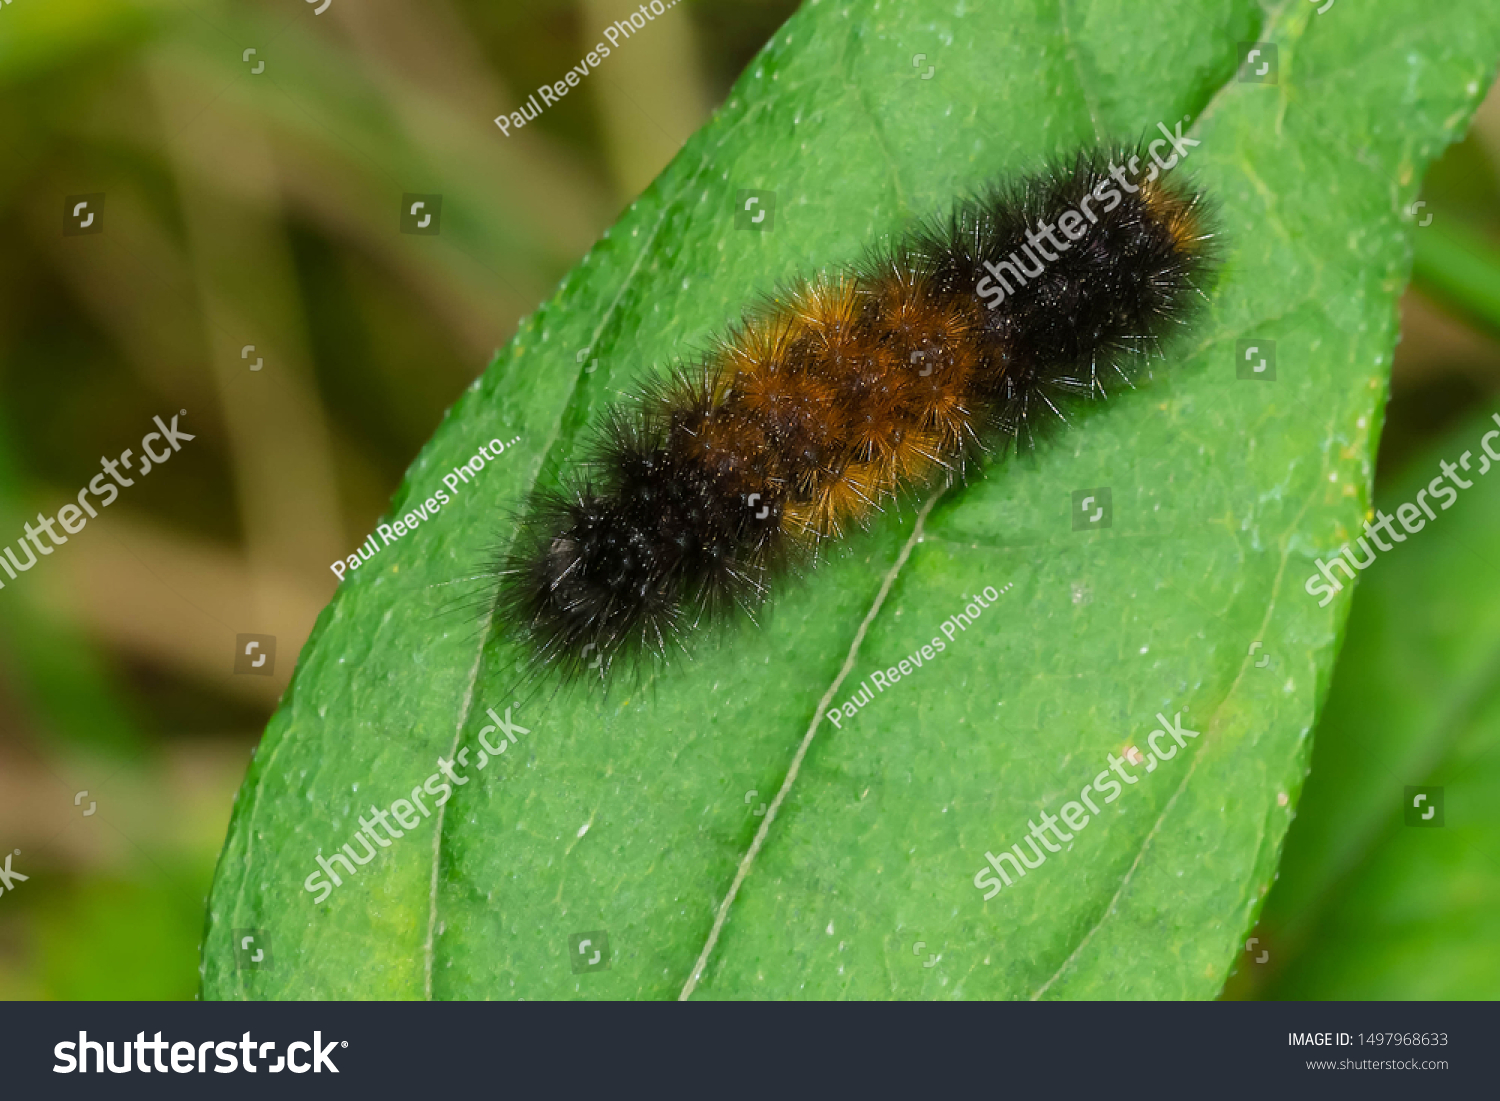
(1457, 267)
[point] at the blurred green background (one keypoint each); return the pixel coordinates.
(261, 208)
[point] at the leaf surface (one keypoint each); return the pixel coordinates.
(636, 815)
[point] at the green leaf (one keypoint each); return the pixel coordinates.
(635, 815)
(1367, 906)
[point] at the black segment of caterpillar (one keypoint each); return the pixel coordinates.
(891, 374)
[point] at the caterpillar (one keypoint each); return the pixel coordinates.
(831, 397)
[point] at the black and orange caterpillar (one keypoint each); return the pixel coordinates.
(828, 399)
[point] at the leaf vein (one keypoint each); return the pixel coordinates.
(1209, 735)
(791, 776)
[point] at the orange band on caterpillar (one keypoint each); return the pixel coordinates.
(829, 399)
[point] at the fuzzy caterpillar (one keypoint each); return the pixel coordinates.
(830, 398)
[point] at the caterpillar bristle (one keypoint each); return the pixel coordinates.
(831, 398)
